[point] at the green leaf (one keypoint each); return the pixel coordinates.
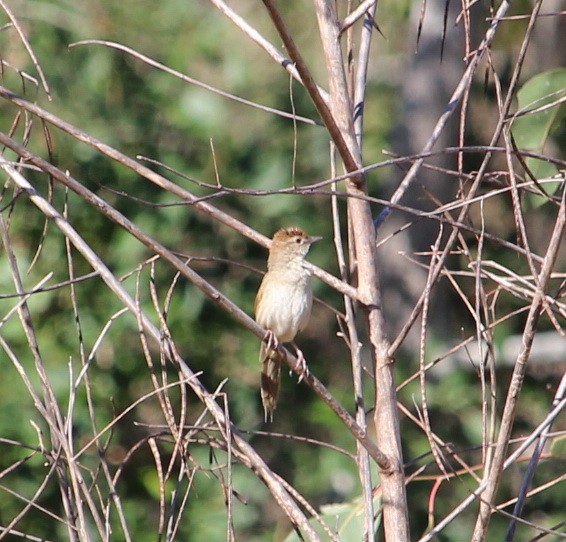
(532, 127)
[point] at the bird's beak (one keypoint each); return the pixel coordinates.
(314, 239)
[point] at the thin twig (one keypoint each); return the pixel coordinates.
(192, 81)
(187, 197)
(508, 416)
(27, 46)
(254, 35)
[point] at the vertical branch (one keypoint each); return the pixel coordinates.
(334, 126)
(359, 92)
(395, 516)
(355, 345)
(339, 122)
(361, 73)
(340, 105)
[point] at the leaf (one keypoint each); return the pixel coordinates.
(532, 127)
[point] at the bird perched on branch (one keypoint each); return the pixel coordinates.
(282, 306)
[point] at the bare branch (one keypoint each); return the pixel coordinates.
(192, 81)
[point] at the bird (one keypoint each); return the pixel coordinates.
(282, 306)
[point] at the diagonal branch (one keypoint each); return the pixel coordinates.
(258, 465)
(215, 295)
(518, 376)
(166, 184)
(324, 111)
(254, 35)
(191, 80)
(459, 92)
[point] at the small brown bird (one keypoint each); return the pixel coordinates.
(282, 306)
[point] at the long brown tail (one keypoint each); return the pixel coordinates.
(270, 379)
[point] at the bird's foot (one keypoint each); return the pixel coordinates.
(271, 341)
(302, 365)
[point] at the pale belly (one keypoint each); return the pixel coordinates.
(286, 310)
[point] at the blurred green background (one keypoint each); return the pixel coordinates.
(142, 111)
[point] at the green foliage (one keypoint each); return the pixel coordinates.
(142, 111)
(542, 110)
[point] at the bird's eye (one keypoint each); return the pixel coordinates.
(298, 240)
